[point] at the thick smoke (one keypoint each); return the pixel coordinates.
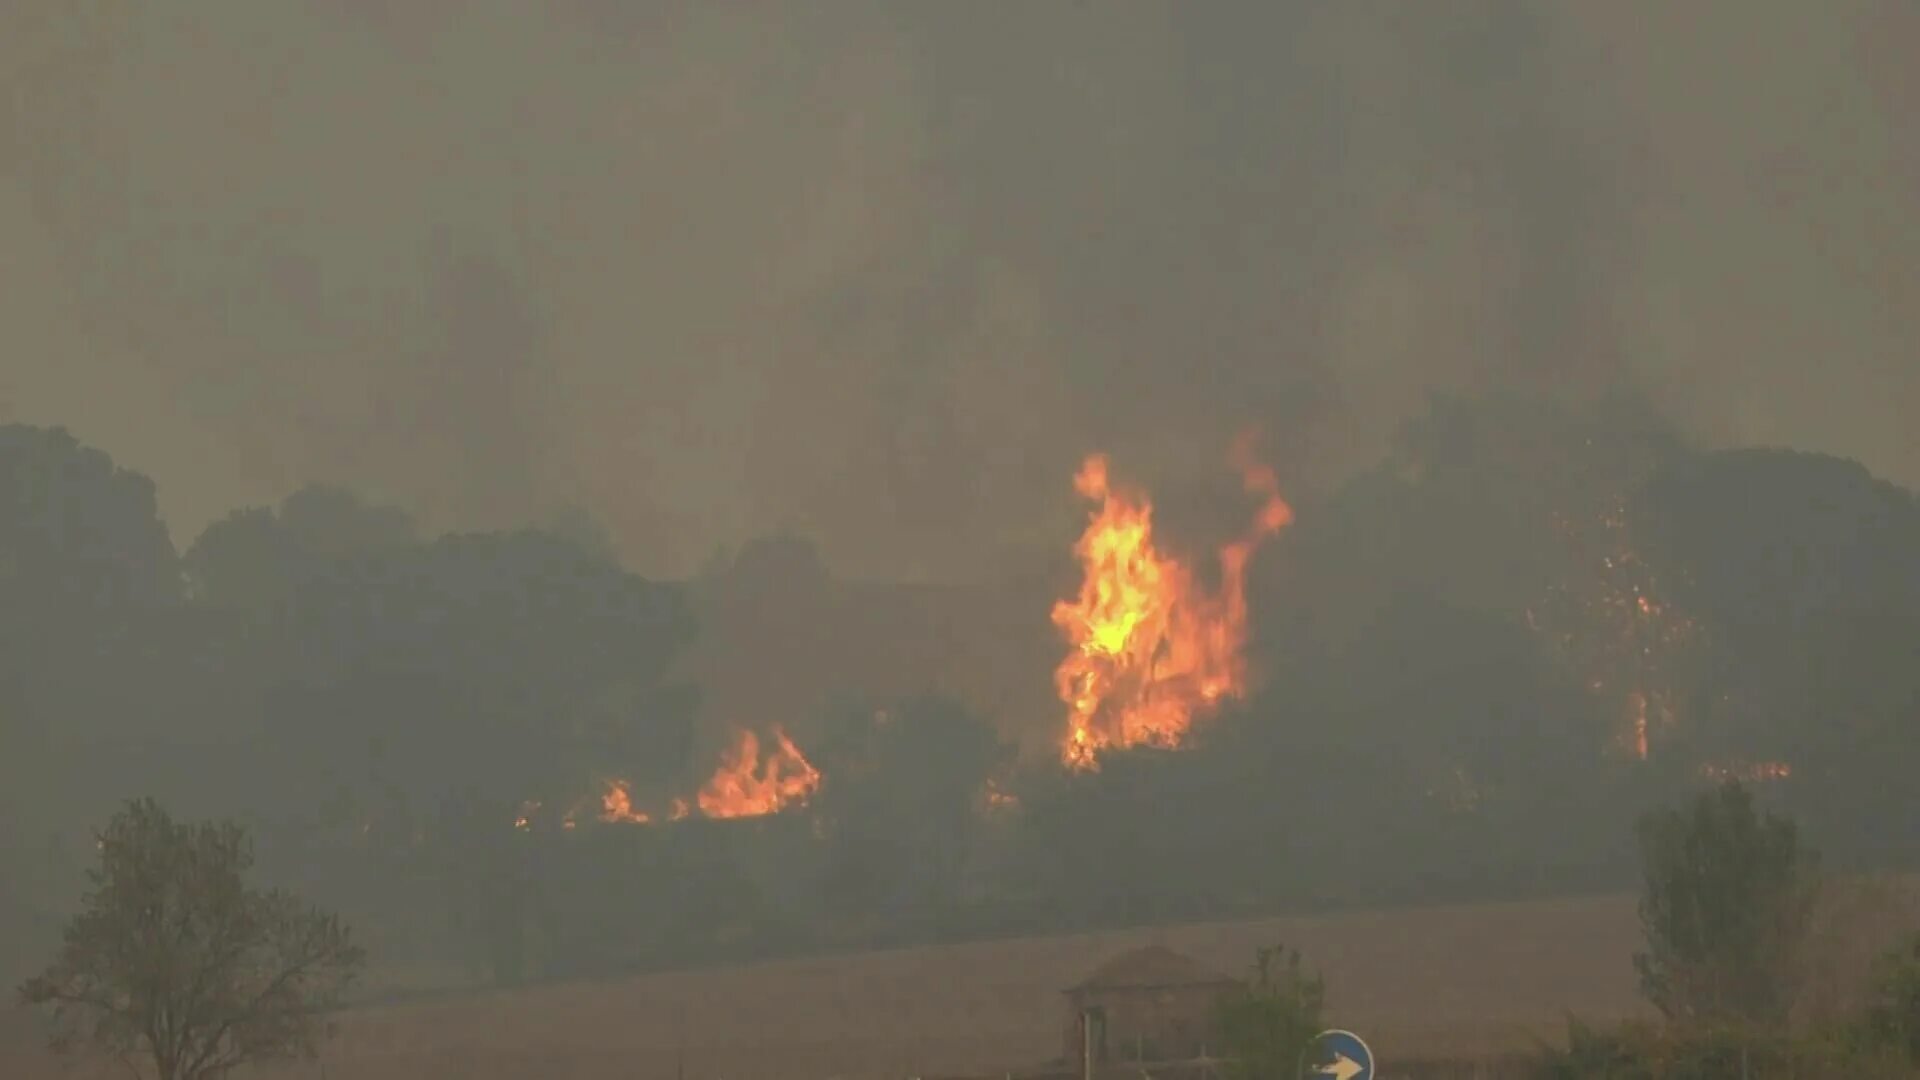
(881, 274)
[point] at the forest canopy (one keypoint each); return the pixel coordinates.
(1467, 669)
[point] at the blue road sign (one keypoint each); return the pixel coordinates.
(1341, 1055)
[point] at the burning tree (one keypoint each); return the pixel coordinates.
(1150, 647)
(1611, 621)
(174, 960)
(1522, 506)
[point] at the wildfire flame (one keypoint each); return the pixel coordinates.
(746, 786)
(743, 785)
(616, 805)
(995, 799)
(1150, 648)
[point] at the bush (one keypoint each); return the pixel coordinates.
(1731, 1051)
(1269, 1023)
(1893, 1017)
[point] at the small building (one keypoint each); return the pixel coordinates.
(1150, 1004)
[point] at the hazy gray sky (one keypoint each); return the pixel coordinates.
(882, 272)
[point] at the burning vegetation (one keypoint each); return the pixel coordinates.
(1610, 620)
(1149, 647)
(616, 805)
(745, 784)
(1152, 648)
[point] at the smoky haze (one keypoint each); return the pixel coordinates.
(598, 489)
(879, 274)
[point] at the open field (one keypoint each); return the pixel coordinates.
(1446, 981)
(1468, 978)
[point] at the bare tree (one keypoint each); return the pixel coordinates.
(172, 959)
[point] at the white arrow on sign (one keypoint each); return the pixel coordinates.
(1343, 1068)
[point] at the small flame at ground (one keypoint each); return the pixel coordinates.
(1149, 648)
(743, 786)
(616, 805)
(996, 800)
(746, 786)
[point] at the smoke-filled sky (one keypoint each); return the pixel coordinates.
(880, 273)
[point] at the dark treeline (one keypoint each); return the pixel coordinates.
(1477, 662)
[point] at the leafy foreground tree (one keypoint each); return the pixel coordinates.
(1893, 1013)
(174, 960)
(1729, 898)
(1269, 1024)
(1729, 895)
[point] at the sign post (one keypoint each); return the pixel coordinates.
(1338, 1054)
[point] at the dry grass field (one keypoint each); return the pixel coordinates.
(1452, 980)
(1465, 977)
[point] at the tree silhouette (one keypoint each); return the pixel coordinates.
(1729, 893)
(172, 958)
(902, 803)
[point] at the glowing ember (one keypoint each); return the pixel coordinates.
(746, 786)
(1149, 648)
(996, 800)
(527, 810)
(1607, 619)
(1751, 772)
(1637, 723)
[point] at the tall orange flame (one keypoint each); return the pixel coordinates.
(746, 786)
(1149, 648)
